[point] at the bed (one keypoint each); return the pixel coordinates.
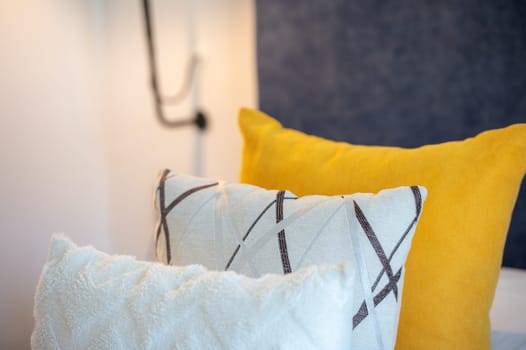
(508, 314)
(345, 240)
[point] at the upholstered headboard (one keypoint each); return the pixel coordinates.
(403, 73)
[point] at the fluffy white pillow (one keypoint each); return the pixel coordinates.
(90, 300)
(228, 226)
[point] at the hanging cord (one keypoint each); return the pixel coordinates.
(199, 119)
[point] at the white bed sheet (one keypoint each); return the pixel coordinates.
(508, 313)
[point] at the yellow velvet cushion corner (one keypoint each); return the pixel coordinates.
(454, 263)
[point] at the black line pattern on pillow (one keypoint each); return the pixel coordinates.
(377, 246)
(236, 251)
(285, 262)
(362, 312)
(166, 210)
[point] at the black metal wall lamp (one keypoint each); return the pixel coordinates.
(199, 118)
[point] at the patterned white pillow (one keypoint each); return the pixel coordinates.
(228, 226)
(90, 300)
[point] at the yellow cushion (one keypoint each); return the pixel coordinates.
(454, 263)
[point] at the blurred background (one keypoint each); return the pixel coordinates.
(80, 146)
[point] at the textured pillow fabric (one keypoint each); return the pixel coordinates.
(454, 263)
(90, 300)
(229, 226)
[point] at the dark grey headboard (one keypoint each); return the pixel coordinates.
(402, 73)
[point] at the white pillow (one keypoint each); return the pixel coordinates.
(228, 226)
(90, 300)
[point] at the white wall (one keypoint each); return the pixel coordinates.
(79, 145)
